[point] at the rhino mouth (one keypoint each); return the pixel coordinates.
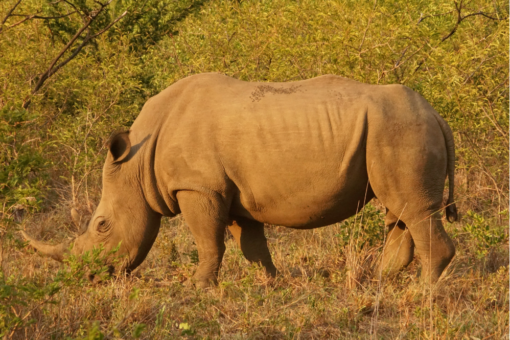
(98, 279)
(61, 251)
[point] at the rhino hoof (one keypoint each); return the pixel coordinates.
(200, 283)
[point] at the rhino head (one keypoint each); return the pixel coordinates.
(123, 216)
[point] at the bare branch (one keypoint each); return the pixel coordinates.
(48, 72)
(85, 41)
(366, 29)
(480, 13)
(72, 56)
(458, 7)
(460, 18)
(110, 25)
(35, 16)
(9, 14)
(422, 18)
(17, 23)
(496, 124)
(73, 6)
(54, 67)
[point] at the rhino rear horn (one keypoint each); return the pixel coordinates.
(76, 217)
(79, 221)
(56, 252)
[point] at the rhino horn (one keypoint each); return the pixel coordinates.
(56, 252)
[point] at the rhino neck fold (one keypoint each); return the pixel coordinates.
(149, 184)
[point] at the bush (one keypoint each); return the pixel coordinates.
(455, 54)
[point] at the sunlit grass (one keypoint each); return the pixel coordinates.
(325, 289)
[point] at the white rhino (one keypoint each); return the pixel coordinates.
(228, 153)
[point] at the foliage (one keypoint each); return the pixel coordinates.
(484, 235)
(15, 292)
(21, 165)
(366, 228)
(461, 69)
(455, 54)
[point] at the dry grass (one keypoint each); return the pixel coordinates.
(326, 290)
(328, 287)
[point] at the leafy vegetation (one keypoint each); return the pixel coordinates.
(73, 71)
(16, 292)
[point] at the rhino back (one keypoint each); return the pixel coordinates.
(283, 153)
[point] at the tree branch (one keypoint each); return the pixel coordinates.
(9, 14)
(52, 69)
(480, 13)
(110, 25)
(16, 24)
(458, 7)
(460, 18)
(44, 76)
(35, 16)
(85, 41)
(73, 6)
(422, 18)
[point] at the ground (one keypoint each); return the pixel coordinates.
(328, 288)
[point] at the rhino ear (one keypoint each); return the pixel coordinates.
(119, 146)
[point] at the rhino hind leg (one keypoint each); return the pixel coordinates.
(249, 236)
(399, 248)
(433, 245)
(207, 219)
(414, 192)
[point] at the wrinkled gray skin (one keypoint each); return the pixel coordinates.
(227, 153)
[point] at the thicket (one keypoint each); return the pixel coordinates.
(73, 71)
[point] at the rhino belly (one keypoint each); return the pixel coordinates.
(306, 208)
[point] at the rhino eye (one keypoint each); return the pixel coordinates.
(102, 226)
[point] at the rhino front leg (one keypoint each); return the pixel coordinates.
(207, 219)
(249, 235)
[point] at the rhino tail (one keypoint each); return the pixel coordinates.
(450, 207)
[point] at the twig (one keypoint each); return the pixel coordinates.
(366, 29)
(73, 6)
(292, 303)
(35, 16)
(460, 18)
(422, 18)
(52, 69)
(9, 14)
(29, 17)
(496, 124)
(110, 25)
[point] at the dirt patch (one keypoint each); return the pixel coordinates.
(261, 91)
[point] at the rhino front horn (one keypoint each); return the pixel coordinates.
(56, 252)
